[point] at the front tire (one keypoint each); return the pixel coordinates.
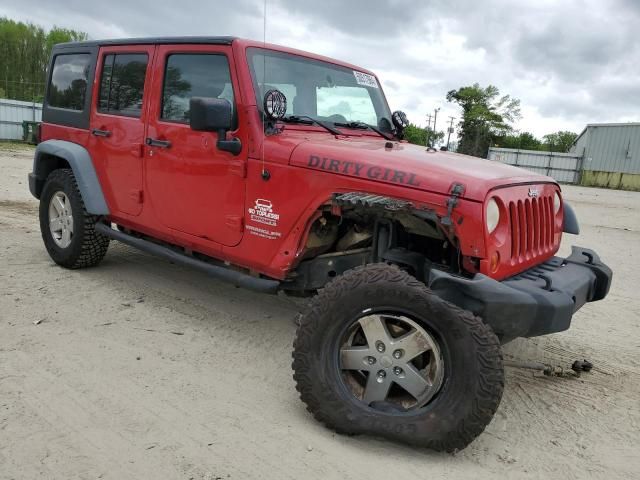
(67, 228)
(378, 353)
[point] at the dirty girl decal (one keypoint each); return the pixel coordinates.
(358, 169)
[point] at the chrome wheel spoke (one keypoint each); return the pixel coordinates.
(58, 203)
(412, 381)
(375, 329)
(70, 223)
(66, 237)
(55, 224)
(376, 390)
(354, 358)
(413, 344)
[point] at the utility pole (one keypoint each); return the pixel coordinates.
(450, 131)
(435, 117)
(427, 130)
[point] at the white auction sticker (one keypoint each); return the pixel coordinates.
(365, 79)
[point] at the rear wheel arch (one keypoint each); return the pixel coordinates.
(68, 230)
(53, 155)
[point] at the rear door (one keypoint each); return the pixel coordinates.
(118, 124)
(194, 187)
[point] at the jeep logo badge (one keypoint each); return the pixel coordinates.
(533, 192)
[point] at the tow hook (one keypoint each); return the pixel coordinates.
(548, 370)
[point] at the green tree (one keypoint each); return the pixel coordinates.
(560, 141)
(522, 141)
(414, 134)
(24, 55)
(420, 136)
(175, 89)
(485, 116)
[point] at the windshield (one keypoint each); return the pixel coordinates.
(319, 90)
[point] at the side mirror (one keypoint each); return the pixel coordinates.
(210, 114)
(214, 115)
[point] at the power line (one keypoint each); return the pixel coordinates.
(435, 117)
(450, 131)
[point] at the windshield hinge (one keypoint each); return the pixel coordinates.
(457, 190)
(271, 128)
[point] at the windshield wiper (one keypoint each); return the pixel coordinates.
(304, 119)
(363, 126)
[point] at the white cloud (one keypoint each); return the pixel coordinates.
(569, 63)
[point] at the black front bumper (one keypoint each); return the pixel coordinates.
(536, 302)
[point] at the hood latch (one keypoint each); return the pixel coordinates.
(457, 190)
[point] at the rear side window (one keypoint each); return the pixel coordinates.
(193, 75)
(69, 79)
(122, 84)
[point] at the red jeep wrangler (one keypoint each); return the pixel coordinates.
(280, 170)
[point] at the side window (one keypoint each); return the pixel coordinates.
(193, 75)
(69, 78)
(122, 84)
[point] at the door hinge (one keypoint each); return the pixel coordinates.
(238, 168)
(137, 149)
(137, 196)
(234, 222)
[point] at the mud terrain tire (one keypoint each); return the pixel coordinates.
(87, 247)
(473, 377)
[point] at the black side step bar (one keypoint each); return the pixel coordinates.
(239, 279)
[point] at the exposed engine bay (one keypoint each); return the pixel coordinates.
(358, 228)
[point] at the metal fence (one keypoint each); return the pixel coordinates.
(13, 113)
(563, 167)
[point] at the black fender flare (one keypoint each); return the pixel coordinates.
(570, 224)
(78, 158)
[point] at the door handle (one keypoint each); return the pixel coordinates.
(152, 142)
(100, 133)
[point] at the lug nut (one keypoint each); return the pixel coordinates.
(397, 370)
(371, 360)
(381, 375)
(380, 346)
(398, 354)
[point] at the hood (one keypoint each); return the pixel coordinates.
(409, 165)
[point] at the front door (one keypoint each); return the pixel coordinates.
(118, 122)
(194, 187)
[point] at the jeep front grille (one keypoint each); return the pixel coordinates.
(532, 223)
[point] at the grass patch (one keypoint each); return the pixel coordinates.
(12, 145)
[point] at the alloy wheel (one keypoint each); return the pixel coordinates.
(391, 362)
(60, 219)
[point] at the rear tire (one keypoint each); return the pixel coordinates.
(463, 367)
(67, 228)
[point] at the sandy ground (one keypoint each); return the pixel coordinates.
(141, 369)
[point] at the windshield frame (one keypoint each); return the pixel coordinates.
(381, 107)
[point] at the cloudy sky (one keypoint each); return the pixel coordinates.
(570, 62)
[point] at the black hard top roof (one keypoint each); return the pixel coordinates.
(150, 41)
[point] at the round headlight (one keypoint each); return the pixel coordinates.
(400, 120)
(492, 215)
(557, 203)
